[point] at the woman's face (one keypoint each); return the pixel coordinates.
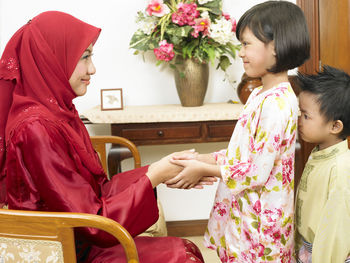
(80, 78)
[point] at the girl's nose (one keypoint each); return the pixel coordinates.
(241, 52)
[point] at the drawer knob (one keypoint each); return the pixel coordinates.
(160, 133)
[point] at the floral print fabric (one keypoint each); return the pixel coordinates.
(252, 216)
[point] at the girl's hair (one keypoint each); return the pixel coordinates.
(283, 23)
(332, 90)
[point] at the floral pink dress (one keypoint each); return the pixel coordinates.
(252, 216)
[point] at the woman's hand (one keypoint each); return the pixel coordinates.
(164, 170)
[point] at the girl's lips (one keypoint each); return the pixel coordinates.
(86, 81)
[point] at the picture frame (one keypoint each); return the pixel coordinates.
(111, 99)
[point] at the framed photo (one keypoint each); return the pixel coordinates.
(111, 99)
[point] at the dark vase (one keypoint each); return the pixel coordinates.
(246, 86)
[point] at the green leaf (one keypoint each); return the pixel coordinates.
(276, 189)
(224, 63)
(172, 66)
(246, 197)
(286, 221)
(254, 216)
(238, 154)
(143, 42)
(211, 54)
(212, 240)
(223, 242)
(279, 177)
(231, 183)
(283, 240)
(214, 7)
(255, 224)
(267, 251)
(247, 181)
(240, 203)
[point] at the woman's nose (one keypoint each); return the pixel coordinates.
(91, 69)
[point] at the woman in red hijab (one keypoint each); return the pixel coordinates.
(47, 162)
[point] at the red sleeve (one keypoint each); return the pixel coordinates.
(47, 174)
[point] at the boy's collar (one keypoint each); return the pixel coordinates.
(329, 152)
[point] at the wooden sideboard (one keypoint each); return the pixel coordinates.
(175, 132)
(171, 124)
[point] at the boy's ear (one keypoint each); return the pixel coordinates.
(337, 127)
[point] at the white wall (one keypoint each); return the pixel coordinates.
(142, 82)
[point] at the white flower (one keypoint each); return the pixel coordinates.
(221, 31)
(205, 14)
(147, 24)
(202, 2)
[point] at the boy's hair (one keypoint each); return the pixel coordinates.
(332, 89)
(284, 23)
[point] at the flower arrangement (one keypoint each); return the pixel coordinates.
(195, 29)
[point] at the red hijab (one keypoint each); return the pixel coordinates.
(35, 68)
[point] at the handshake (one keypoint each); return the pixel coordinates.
(184, 170)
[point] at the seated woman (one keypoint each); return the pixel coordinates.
(47, 162)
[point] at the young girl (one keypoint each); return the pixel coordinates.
(252, 217)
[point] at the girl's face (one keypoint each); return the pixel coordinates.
(80, 78)
(312, 125)
(257, 56)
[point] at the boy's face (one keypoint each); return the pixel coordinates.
(313, 126)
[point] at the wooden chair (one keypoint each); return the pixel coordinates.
(99, 143)
(50, 235)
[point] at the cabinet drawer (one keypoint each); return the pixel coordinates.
(220, 130)
(162, 133)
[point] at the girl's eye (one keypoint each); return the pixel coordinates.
(305, 117)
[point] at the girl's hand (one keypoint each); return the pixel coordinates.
(189, 176)
(185, 155)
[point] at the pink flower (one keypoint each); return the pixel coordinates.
(202, 25)
(157, 8)
(185, 14)
(288, 171)
(165, 51)
(232, 20)
(243, 120)
(220, 211)
(257, 207)
(276, 142)
(288, 231)
(261, 250)
(222, 254)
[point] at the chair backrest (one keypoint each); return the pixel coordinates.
(99, 143)
(31, 232)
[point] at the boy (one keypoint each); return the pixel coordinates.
(323, 197)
